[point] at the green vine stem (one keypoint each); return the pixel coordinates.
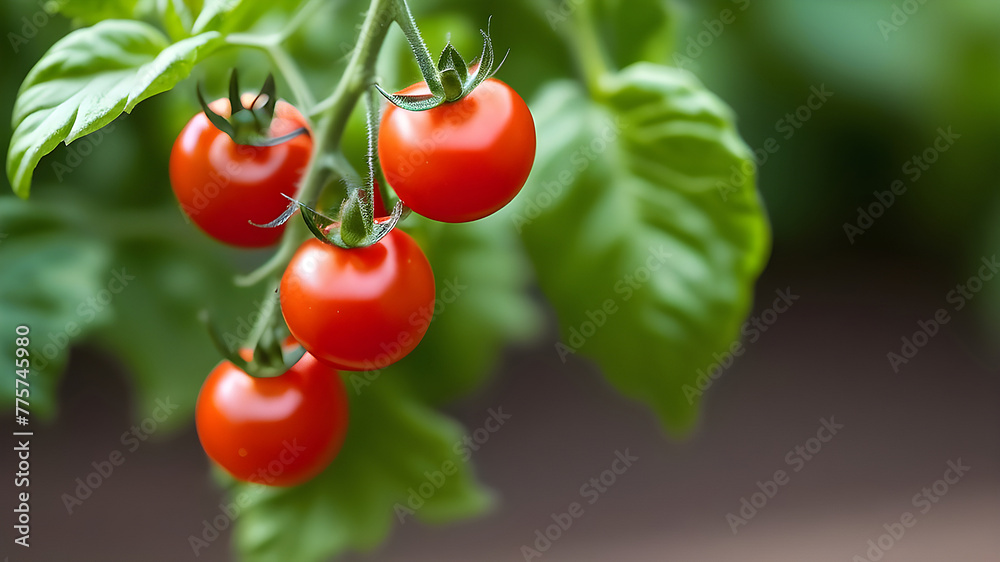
(327, 164)
(372, 115)
(272, 46)
(376, 177)
(301, 16)
(425, 61)
(587, 48)
(289, 70)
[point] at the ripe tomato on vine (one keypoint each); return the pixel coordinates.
(460, 161)
(280, 431)
(358, 309)
(223, 186)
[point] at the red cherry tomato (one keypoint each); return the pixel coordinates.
(280, 431)
(222, 185)
(360, 309)
(460, 161)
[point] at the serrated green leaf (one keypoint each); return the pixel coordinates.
(392, 443)
(89, 78)
(632, 184)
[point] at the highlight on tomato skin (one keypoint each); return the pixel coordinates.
(278, 431)
(223, 186)
(360, 309)
(460, 161)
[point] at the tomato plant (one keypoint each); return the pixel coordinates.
(463, 160)
(629, 150)
(279, 431)
(224, 186)
(380, 292)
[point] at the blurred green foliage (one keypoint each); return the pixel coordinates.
(897, 76)
(900, 70)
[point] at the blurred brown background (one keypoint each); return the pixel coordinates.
(824, 357)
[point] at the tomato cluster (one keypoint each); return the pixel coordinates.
(349, 308)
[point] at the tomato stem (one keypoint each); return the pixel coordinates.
(287, 67)
(373, 113)
(304, 14)
(327, 163)
(293, 76)
(428, 69)
(270, 304)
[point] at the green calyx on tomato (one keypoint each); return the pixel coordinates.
(483, 154)
(267, 356)
(362, 219)
(452, 80)
(249, 126)
(354, 309)
(357, 227)
(224, 187)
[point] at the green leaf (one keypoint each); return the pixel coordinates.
(89, 12)
(75, 273)
(47, 279)
(156, 330)
(392, 445)
(178, 16)
(639, 238)
(235, 15)
(89, 78)
(481, 279)
(636, 30)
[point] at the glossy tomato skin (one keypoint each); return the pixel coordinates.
(222, 185)
(460, 161)
(280, 431)
(360, 309)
